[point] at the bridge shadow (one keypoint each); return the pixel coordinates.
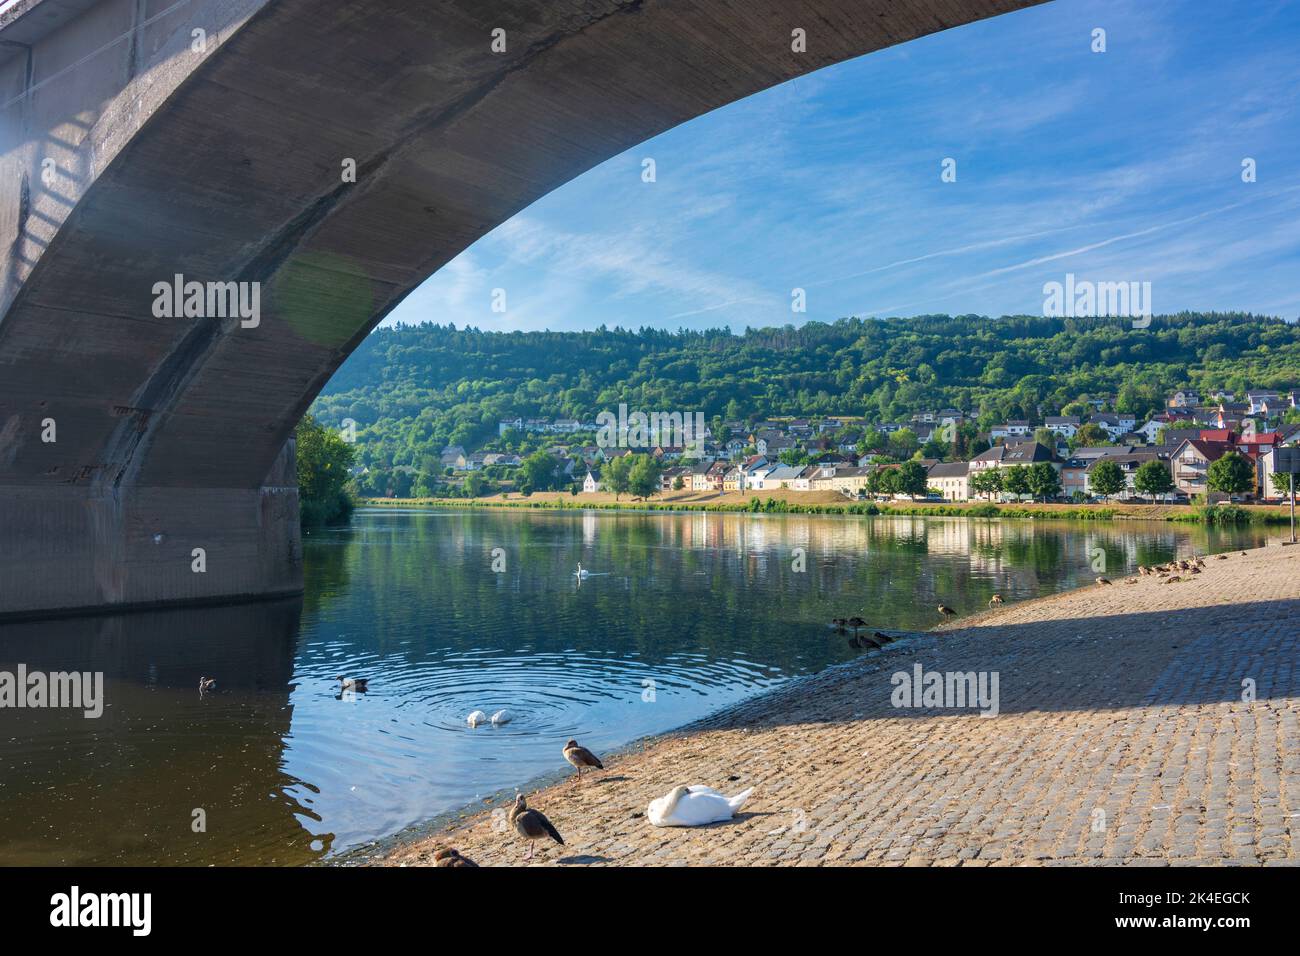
(1198, 656)
(124, 787)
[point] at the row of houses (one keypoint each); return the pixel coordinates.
(1188, 461)
(758, 473)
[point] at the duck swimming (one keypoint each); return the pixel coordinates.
(476, 717)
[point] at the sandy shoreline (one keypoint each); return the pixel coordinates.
(1122, 738)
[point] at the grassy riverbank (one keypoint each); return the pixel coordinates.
(785, 502)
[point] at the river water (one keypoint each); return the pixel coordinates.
(448, 612)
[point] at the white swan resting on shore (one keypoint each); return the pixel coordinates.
(694, 806)
(476, 718)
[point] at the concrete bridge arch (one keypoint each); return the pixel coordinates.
(146, 139)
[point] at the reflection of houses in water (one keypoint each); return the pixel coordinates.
(589, 519)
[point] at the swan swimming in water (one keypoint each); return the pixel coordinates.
(476, 718)
(694, 807)
(580, 573)
(502, 716)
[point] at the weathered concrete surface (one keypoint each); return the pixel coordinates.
(224, 164)
(1123, 738)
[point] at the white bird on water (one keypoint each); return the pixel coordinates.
(694, 806)
(476, 718)
(502, 716)
(580, 573)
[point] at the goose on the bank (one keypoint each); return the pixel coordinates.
(358, 684)
(532, 825)
(450, 856)
(881, 637)
(995, 599)
(946, 611)
(864, 643)
(581, 757)
(206, 684)
(476, 717)
(502, 717)
(694, 806)
(856, 622)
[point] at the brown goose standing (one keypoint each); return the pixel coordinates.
(532, 825)
(206, 684)
(946, 611)
(881, 637)
(581, 757)
(1104, 581)
(450, 856)
(995, 599)
(865, 643)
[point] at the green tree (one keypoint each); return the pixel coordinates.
(936, 447)
(474, 484)
(1090, 435)
(643, 477)
(911, 478)
(538, 471)
(1232, 474)
(1106, 478)
(903, 443)
(323, 460)
(678, 483)
(987, 482)
(1044, 480)
(872, 441)
(1015, 480)
(1153, 478)
(1281, 483)
(616, 475)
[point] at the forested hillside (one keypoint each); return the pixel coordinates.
(415, 389)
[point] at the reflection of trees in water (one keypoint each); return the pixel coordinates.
(326, 569)
(710, 584)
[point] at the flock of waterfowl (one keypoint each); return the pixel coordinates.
(695, 805)
(877, 640)
(683, 806)
(1168, 573)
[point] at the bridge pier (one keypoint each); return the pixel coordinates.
(67, 550)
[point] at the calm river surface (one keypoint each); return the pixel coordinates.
(691, 610)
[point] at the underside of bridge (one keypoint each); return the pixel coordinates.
(141, 140)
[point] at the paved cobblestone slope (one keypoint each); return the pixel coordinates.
(1127, 734)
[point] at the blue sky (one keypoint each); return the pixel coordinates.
(1115, 166)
